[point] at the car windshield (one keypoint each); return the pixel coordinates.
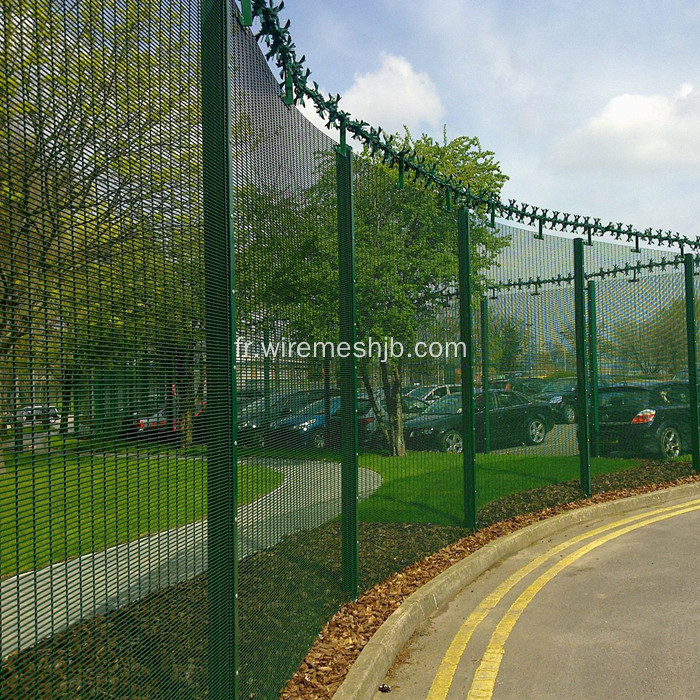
(318, 408)
(412, 405)
(633, 397)
(529, 385)
(420, 392)
(446, 405)
(566, 384)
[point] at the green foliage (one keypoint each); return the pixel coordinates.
(405, 254)
(100, 215)
(507, 344)
(655, 345)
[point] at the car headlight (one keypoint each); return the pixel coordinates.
(425, 431)
(305, 425)
(556, 399)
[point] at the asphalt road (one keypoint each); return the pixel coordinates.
(560, 441)
(606, 609)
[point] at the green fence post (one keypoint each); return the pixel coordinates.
(222, 467)
(348, 373)
(465, 326)
(266, 377)
(485, 372)
(581, 370)
(593, 353)
(690, 324)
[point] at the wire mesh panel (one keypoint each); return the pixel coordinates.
(102, 369)
(288, 426)
(526, 419)
(406, 247)
(641, 385)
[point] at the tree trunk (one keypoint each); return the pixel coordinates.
(67, 380)
(375, 406)
(392, 394)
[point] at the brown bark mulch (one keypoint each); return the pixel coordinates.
(348, 631)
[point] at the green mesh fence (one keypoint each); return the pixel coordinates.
(102, 358)
(288, 400)
(198, 467)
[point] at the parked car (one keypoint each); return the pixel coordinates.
(644, 420)
(561, 394)
(530, 386)
(254, 420)
(434, 392)
(308, 425)
(159, 425)
(39, 413)
(514, 419)
(369, 429)
(305, 427)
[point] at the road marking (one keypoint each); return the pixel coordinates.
(445, 674)
(485, 677)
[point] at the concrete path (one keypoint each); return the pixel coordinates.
(606, 609)
(37, 604)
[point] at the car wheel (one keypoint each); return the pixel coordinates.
(318, 440)
(535, 431)
(670, 443)
(569, 414)
(451, 442)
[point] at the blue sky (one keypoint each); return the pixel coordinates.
(591, 108)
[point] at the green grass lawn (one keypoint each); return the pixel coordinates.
(426, 487)
(58, 506)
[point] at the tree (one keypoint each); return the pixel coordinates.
(655, 345)
(99, 175)
(508, 343)
(406, 257)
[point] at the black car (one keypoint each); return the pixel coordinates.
(433, 392)
(39, 413)
(530, 386)
(644, 420)
(514, 419)
(255, 419)
(562, 396)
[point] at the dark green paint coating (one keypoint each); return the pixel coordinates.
(485, 361)
(222, 467)
(583, 428)
(593, 353)
(466, 327)
(691, 330)
(348, 373)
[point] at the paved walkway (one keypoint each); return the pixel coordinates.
(37, 604)
(609, 609)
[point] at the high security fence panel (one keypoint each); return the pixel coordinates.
(640, 393)
(248, 370)
(103, 498)
(409, 400)
(527, 412)
(288, 421)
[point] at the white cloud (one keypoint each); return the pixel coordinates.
(393, 95)
(636, 133)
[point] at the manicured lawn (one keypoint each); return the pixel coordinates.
(426, 487)
(58, 506)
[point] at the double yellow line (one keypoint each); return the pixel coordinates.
(485, 677)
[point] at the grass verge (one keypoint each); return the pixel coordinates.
(427, 487)
(59, 505)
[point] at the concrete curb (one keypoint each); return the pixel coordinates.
(382, 649)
